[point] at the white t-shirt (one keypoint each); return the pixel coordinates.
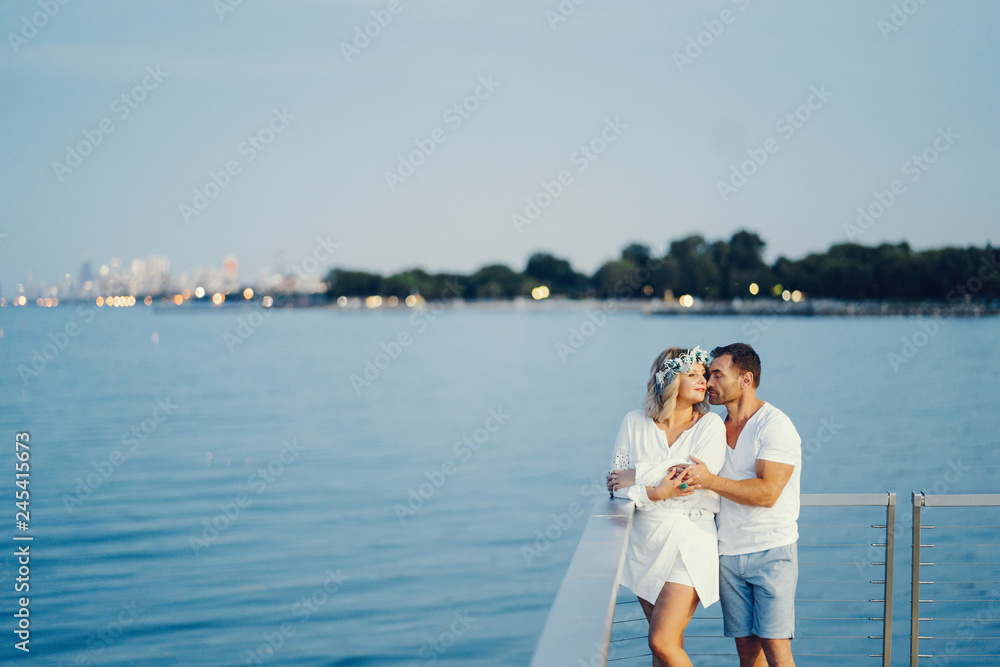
(770, 436)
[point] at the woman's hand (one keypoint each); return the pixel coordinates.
(678, 469)
(619, 479)
(670, 487)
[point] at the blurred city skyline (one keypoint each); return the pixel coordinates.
(453, 136)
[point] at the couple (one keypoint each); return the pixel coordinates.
(717, 501)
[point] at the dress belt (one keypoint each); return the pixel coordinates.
(694, 513)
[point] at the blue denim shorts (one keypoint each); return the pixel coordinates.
(757, 591)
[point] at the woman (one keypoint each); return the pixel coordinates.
(672, 560)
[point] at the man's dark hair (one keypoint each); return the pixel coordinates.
(745, 359)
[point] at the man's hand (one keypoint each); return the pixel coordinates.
(620, 479)
(699, 474)
(760, 491)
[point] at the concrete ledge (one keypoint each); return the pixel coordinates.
(578, 628)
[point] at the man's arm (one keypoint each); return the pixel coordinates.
(760, 491)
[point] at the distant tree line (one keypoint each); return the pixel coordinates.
(711, 271)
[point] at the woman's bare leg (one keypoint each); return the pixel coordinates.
(675, 605)
(647, 609)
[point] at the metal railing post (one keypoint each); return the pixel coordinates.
(890, 550)
(918, 501)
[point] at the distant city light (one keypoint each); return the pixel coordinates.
(248, 294)
(776, 290)
(199, 292)
(148, 300)
(373, 301)
(754, 288)
(392, 301)
(540, 292)
(786, 295)
(267, 301)
(186, 294)
(647, 290)
(99, 301)
(797, 296)
(178, 299)
(341, 301)
(217, 298)
(687, 300)
(411, 300)
(21, 300)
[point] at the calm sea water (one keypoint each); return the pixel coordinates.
(198, 498)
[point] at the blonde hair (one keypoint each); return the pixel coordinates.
(659, 406)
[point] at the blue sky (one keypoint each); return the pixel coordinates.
(554, 87)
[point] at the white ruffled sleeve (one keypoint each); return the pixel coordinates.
(621, 459)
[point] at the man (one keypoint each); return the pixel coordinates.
(757, 520)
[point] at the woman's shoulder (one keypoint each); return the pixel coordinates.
(636, 417)
(711, 417)
(711, 422)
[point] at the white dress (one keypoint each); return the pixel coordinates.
(678, 527)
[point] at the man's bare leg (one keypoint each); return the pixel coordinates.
(778, 652)
(750, 651)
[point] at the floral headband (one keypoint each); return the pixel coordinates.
(682, 364)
